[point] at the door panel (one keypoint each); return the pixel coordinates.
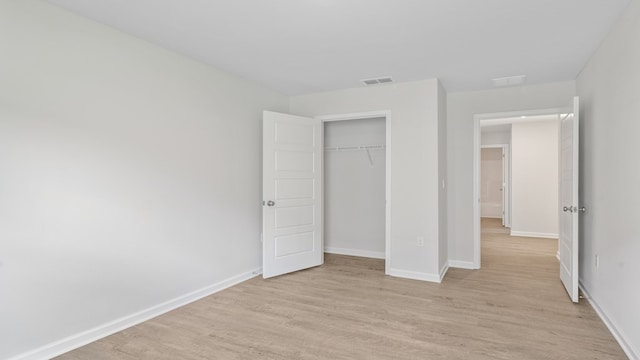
(294, 161)
(294, 244)
(294, 216)
(294, 189)
(569, 202)
(292, 193)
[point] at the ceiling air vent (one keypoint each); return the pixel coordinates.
(381, 80)
(508, 81)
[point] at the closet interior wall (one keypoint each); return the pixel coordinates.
(354, 161)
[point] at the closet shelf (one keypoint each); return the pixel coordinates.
(355, 148)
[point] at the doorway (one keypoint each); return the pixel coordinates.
(293, 189)
(530, 173)
(561, 213)
(495, 183)
(354, 187)
(357, 184)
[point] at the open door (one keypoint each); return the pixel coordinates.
(506, 181)
(568, 242)
(503, 188)
(292, 193)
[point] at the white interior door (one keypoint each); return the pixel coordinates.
(506, 180)
(503, 188)
(292, 193)
(568, 242)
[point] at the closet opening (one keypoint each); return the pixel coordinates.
(356, 185)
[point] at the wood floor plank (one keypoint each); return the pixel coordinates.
(514, 308)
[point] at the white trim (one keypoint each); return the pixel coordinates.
(415, 275)
(355, 252)
(558, 255)
(462, 264)
(369, 115)
(534, 234)
(626, 346)
(355, 116)
(519, 113)
(69, 343)
(476, 165)
(443, 271)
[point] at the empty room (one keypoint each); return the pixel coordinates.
(306, 179)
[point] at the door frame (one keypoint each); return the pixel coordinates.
(506, 177)
(493, 118)
(368, 115)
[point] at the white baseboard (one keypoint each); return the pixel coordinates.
(62, 346)
(355, 252)
(534, 234)
(628, 349)
(415, 275)
(462, 264)
(443, 271)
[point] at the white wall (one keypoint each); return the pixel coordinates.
(414, 159)
(354, 189)
(610, 126)
(461, 108)
(534, 179)
(495, 137)
(491, 183)
(127, 173)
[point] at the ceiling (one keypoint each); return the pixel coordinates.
(305, 46)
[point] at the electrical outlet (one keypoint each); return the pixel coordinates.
(420, 241)
(597, 261)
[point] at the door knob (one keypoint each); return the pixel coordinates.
(566, 208)
(583, 209)
(270, 203)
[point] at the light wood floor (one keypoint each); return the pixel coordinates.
(514, 308)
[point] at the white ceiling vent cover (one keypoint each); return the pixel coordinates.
(509, 81)
(376, 81)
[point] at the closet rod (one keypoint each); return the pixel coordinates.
(355, 148)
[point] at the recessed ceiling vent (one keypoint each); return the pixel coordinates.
(509, 81)
(382, 80)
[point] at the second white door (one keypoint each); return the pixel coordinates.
(569, 208)
(292, 193)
